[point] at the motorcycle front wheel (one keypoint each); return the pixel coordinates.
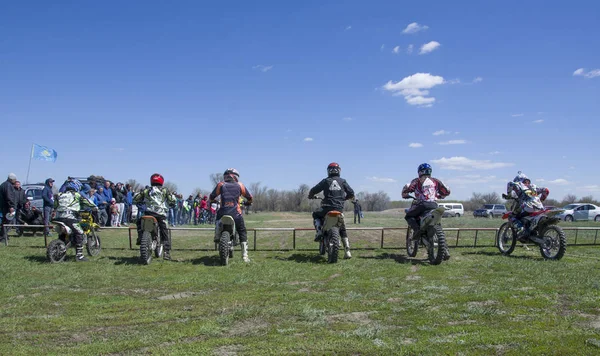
(506, 239)
(412, 245)
(333, 245)
(555, 243)
(146, 248)
(93, 244)
(56, 251)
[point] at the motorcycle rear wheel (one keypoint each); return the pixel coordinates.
(333, 245)
(224, 248)
(146, 248)
(506, 239)
(56, 251)
(412, 245)
(555, 243)
(436, 249)
(93, 245)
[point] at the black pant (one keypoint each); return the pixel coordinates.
(240, 226)
(357, 213)
(416, 211)
(4, 229)
(163, 230)
(320, 214)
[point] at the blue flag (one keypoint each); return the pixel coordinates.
(43, 153)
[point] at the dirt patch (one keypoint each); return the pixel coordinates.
(395, 300)
(361, 318)
(333, 276)
(228, 350)
(462, 322)
(413, 278)
(414, 268)
(180, 295)
(247, 327)
(485, 303)
(408, 341)
(304, 290)
(595, 323)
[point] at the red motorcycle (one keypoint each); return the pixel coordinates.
(540, 229)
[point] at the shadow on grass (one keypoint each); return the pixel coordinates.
(37, 258)
(126, 260)
(304, 258)
(498, 254)
(213, 260)
(398, 258)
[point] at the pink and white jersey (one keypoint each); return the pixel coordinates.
(429, 190)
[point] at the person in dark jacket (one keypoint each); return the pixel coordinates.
(336, 191)
(102, 204)
(48, 198)
(29, 215)
(357, 210)
(8, 205)
(230, 190)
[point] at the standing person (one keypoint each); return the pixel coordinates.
(119, 196)
(190, 205)
(203, 210)
(427, 191)
(102, 207)
(157, 200)
(48, 198)
(107, 191)
(335, 190)
(114, 213)
(230, 191)
(128, 204)
(357, 211)
(180, 209)
(8, 205)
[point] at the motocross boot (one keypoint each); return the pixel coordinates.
(346, 243)
(79, 257)
(318, 227)
(245, 252)
(167, 255)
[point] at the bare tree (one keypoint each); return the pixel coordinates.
(135, 185)
(569, 199)
(491, 198)
(171, 187)
(215, 178)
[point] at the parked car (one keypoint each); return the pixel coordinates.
(456, 210)
(490, 211)
(580, 211)
(33, 192)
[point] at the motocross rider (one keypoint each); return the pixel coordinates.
(157, 200)
(230, 190)
(67, 206)
(529, 198)
(335, 190)
(427, 190)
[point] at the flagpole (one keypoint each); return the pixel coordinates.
(29, 167)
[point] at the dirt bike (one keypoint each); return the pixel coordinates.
(57, 249)
(431, 235)
(540, 229)
(150, 241)
(226, 238)
(329, 231)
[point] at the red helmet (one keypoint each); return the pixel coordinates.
(333, 169)
(157, 179)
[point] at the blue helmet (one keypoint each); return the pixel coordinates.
(73, 185)
(424, 169)
(521, 177)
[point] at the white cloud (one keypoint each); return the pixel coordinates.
(478, 80)
(538, 121)
(412, 88)
(592, 188)
(429, 47)
(559, 181)
(396, 50)
(471, 179)
(308, 139)
(591, 74)
(120, 149)
(262, 68)
(441, 132)
(517, 115)
(495, 153)
(466, 164)
(409, 49)
(382, 180)
(453, 142)
(414, 28)
(415, 145)
(348, 28)
(347, 119)
(454, 81)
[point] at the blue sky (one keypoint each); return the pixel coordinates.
(278, 89)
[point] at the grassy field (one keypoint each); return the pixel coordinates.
(292, 302)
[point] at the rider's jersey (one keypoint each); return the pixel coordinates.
(529, 197)
(429, 190)
(335, 191)
(156, 200)
(230, 193)
(69, 203)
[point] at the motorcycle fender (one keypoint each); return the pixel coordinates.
(149, 224)
(333, 220)
(226, 223)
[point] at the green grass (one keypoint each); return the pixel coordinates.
(292, 302)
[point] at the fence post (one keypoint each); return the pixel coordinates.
(595, 237)
(130, 245)
(254, 240)
(382, 230)
(475, 244)
(294, 239)
(45, 238)
(457, 236)
(576, 232)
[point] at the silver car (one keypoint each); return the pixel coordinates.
(33, 192)
(580, 211)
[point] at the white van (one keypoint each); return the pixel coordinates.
(455, 210)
